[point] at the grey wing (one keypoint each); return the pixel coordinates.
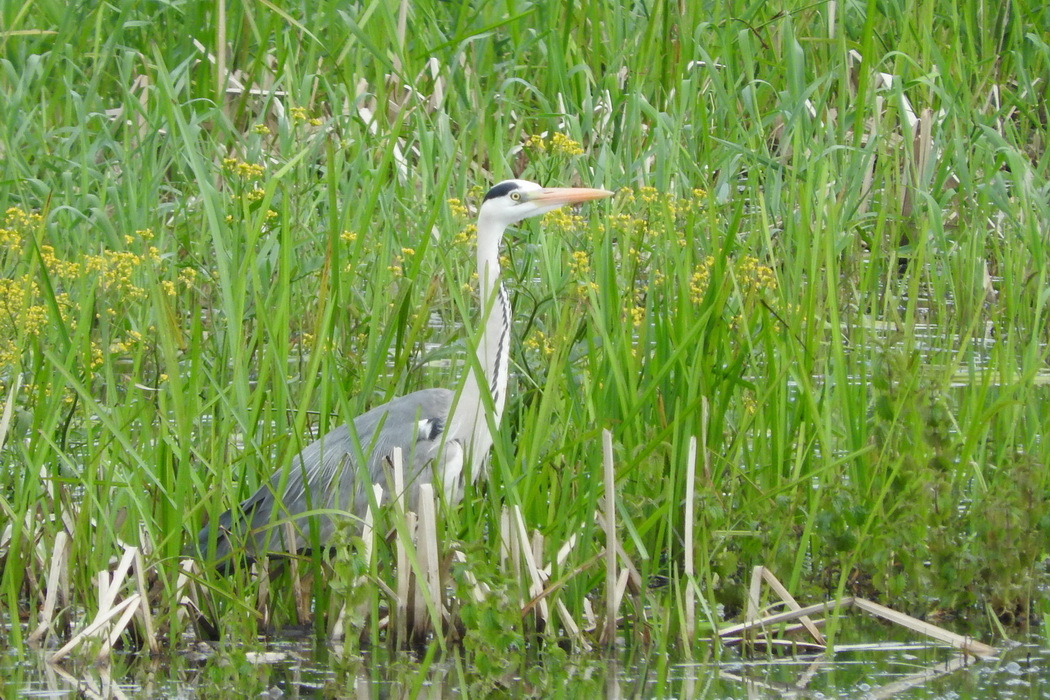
(326, 474)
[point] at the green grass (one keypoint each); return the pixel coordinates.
(866, 319)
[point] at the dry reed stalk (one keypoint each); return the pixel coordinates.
(611, 584)
(690, 494)
(966, 644)
(54, 578)
(429, 566)
(302, 605)
(261, 573)
(531, 570)
(733, 630)
(760, 574)
(96, 625)
(144, 609)
(9, 408)
(404, 577)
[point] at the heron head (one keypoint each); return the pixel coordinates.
(512, 201)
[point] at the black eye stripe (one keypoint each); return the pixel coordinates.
(500, 190)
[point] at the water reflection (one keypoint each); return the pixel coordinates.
(304, 669)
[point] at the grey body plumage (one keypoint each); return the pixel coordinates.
(325, 476)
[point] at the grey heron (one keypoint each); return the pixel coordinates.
(441, 437)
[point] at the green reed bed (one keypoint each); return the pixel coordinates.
(827, 261)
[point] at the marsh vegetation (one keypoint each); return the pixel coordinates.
(226, 228)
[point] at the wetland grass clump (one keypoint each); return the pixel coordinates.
(828, 263)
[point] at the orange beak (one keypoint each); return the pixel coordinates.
(560, 196)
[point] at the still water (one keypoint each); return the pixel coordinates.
(306, 669)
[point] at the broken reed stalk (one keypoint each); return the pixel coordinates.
(302, 606)
(760, 574)
(521, 535)
(144, 609)
(429, 588)
(58, 562)
(403, 567)
(109, 587)
(611, 603)
(9, 408)
(690, 488)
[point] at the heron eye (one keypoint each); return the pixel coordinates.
(516, 196)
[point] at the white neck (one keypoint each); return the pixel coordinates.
(471, 421)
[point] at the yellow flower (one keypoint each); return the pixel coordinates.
(458, 209)
(466, 235)
(580, 264)
(242, 169)
(261, 129)
(536, 141)
(563, 145)
(348, 236)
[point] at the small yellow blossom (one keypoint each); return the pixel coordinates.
(168, 287)
(536, 141)
(580, 264)
(299, 114)
(469, 232)
(348, 236)
(637, 315)
(648, 194)
(563, 145)
(540, 342)
(242, 169)
(457, 208)
(261, 129)
(408, 251)
(698, 282)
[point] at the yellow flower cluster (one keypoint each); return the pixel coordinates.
(698, 282)
(23, 313)
(300, 115)
(564, 220)
(558, 144)
(753, 276)
(17, 223)
(469, 232)
(458, 209)
(563, 145)
(580, 264)
(637, 315)
(242, 169)
(539, 342)
(19, 314)
(116, 272)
